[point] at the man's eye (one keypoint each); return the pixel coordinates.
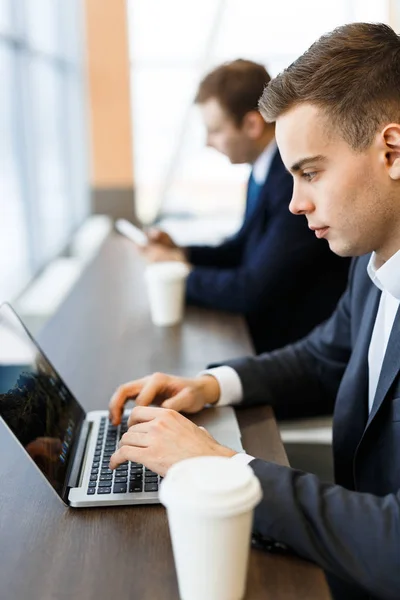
(309, 176)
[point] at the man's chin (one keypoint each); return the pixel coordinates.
(340, 249)
(346, 251)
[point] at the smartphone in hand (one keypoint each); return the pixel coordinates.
(132, 232)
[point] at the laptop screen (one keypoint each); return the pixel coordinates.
(34, 402)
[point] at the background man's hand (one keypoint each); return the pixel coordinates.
(160, 253)
(160, 437)
(156, 236)
(178, 393)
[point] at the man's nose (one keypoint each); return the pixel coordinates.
(300, 204)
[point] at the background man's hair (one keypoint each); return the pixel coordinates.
(236, 85)
(352, 73)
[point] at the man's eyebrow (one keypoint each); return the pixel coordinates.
(304, 161)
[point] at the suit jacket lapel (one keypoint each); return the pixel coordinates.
(390, 367)
(351, 411)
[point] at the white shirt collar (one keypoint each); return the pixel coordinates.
(262, 164)
(387, 277)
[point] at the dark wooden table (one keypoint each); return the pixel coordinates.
(100, 337)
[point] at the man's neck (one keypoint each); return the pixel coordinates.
(390, 248)
(262, 143)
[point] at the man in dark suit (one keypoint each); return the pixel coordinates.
(337, 113)
(274, 271)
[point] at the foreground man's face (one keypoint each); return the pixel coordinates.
(345, 195)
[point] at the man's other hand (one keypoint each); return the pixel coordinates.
(178, 393)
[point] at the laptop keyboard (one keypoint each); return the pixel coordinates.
(130, 477)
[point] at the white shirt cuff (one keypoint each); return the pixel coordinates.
(242, 457)
(229, 385)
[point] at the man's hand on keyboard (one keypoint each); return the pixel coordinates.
(160, 437)
(178, 393)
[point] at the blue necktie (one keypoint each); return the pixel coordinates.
(253, 191)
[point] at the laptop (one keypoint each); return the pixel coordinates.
(70, 447)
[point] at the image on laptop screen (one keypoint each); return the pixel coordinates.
(34, 402)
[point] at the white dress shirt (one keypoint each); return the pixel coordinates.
(387, 279)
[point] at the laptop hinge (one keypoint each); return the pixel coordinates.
(73, 479)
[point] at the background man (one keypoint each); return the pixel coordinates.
(273, 270)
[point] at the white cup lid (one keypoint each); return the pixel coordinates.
(211, 485)
(168, 270)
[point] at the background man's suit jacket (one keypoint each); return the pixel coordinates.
(273, 270)
(352, 529)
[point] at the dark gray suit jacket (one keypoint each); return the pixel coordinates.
(352, 529)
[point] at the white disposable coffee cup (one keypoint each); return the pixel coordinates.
(210, 502)
(166, 291)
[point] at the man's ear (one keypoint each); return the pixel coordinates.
(253, 124)
(391, 137)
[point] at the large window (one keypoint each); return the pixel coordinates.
(43, 147)
(173, 44)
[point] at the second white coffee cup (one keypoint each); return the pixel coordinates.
(166, 291)
(210, 502)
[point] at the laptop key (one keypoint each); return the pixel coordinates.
(91, 491)
(104, 483)
(121, 477)
(135, 486)
(104, 490)
(119, 488)
(151, 487)
(92, 484)
(105, 477)
(93, 478)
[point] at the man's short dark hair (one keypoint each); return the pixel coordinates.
(352, 73)
(236, 85)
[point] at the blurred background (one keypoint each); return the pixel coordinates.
(97, 122)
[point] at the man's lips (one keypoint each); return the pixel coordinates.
(320, 232)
